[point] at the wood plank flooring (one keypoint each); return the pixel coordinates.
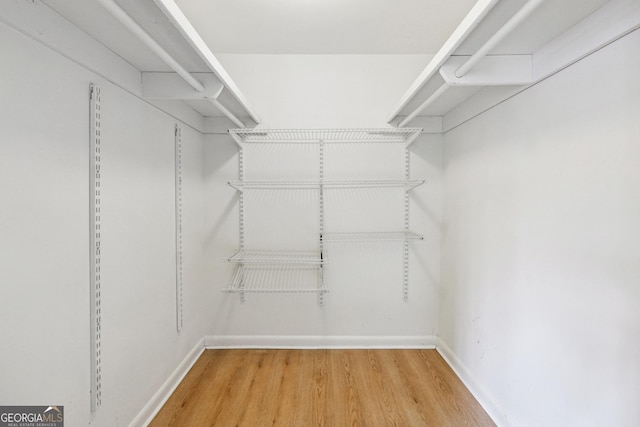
(301, 388)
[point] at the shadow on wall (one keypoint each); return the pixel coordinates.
(225, 151)
(230, 208)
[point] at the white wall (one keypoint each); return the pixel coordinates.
(364, 305)
(541, 256)
(323, 91)
(44, 249)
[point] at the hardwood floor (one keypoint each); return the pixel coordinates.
(301, 388)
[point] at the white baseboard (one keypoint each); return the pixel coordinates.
(145, 416)
(486, 400)
(318, 341)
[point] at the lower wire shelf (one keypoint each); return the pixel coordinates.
(277, 272)
(274, 278)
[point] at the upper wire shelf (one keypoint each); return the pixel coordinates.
(277, 257)
(379, 236)
(305, 136)
(407, 184)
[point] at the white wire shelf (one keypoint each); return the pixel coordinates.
(270, 280)
(375, 236)
(277, 257)
(328, 185)
(305, 136)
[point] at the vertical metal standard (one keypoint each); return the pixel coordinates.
(178, 217)
(407, 175)
(241, 219)
(321, 178)
(94, 242)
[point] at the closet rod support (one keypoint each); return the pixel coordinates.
(468, 24)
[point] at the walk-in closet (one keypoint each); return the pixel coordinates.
(320, 213)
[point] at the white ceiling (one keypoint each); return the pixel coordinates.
(315, 26)
(325, 26)
(368, 26)
(274, 27)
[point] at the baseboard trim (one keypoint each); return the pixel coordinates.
(151, 409)
(486, 400)
(318, 341)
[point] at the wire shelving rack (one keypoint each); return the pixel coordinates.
(277, 271)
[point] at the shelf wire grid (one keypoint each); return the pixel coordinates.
(276, 279)
(364, 135)
(407, 184)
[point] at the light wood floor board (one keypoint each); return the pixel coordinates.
(301, 388)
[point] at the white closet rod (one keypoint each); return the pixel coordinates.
(226, 112)
(126, 20)
(435, 95)
(499, 35)
(139, 32)
(460, 34)
(503, 32)
(189, 33)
